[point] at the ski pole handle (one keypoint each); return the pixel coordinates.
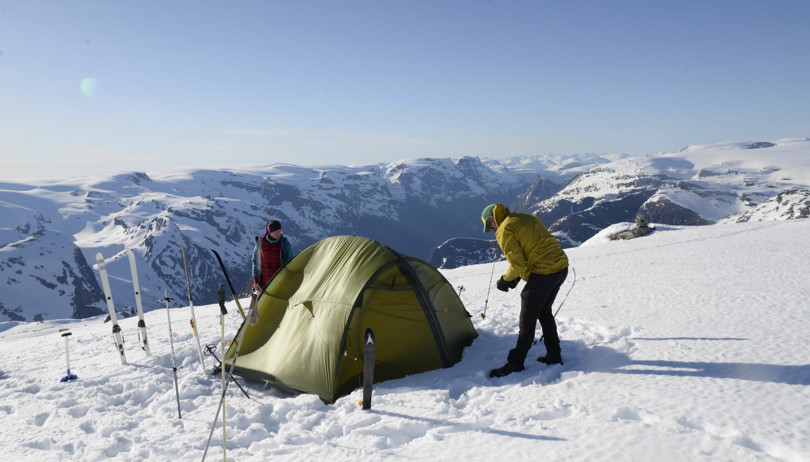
(67, 350)
(221, 298)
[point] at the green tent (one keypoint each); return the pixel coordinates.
(314, 312)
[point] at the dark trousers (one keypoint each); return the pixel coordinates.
(536, 300)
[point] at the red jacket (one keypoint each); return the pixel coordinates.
(268, 257)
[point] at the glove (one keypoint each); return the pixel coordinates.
(506, 285)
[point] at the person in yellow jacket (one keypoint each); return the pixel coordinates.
(535, 256)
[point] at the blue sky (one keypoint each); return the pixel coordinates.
(94, 87)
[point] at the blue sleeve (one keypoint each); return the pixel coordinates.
(286, 252)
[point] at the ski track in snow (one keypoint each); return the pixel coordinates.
(690, 344)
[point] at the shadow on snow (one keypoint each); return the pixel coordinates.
(463, 427)
(607, 360)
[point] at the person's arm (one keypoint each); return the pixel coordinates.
(286, 251)
(513, 253)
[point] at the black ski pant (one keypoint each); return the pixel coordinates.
(536, 300)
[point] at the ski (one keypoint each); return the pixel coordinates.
(230, 285)
(369, 357)
(191, 305)
(137, 288)
(116, 329)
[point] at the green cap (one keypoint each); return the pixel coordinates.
(486, 215)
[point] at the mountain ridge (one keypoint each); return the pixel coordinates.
(51, 229)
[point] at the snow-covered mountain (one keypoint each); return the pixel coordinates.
(51, 231)
(698, 185)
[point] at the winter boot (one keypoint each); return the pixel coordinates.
(506, 369)
(551, 359)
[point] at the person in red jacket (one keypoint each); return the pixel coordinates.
(272, 251)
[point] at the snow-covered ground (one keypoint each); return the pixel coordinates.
(687, 345)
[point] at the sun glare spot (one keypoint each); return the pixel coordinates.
(89, 87)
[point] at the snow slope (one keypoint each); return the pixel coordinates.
(687, 345)
(783, 160)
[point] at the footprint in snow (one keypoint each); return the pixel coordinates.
(40, 419)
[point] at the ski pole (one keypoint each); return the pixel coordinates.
(69, 376)
(563, 300)
(191, 305)
(209, 351)
(240, 338)
(222, 313)
(171, 342)
(221, 406)
(489, 286)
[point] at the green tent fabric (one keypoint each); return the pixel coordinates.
(314, 312)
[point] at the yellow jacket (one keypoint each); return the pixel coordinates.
(527, 245)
